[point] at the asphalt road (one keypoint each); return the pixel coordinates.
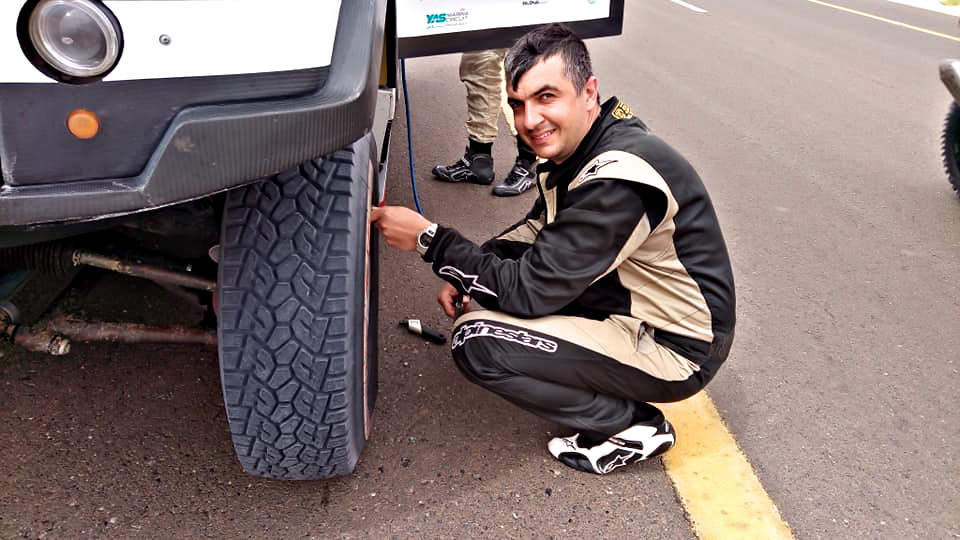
(817, 133)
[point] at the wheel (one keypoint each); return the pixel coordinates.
(951, 146)
(297, 316)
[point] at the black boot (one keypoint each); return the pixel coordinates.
(519, 180)
(475, 168)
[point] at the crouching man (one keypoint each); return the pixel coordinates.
(614, 291)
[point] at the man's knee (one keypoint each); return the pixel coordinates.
(474, 357)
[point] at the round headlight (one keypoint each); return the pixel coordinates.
(77, 37)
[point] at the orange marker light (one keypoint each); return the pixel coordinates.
(83, 124)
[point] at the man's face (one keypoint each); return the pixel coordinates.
(548, 112)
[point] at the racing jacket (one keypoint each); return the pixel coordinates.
(623, 228)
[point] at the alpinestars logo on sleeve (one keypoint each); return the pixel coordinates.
(592, 171)
(467, 282)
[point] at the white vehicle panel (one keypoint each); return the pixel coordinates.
(206, 38)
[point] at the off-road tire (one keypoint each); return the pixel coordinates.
(951, 146)
(297, 317)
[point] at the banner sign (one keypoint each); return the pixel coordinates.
(426, 27)
(432, 17)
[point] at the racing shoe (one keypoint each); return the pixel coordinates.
(472, 168)
(636, 443)
(519, 180)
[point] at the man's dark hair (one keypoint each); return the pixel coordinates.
(544, 42)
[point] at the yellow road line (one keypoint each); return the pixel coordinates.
(715, 482)
(886, 20)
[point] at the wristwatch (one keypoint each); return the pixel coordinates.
(425, 238)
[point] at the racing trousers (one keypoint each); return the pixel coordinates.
(595, 377)
(482, 74)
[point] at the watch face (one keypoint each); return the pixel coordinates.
(423, 241)
(424, 238)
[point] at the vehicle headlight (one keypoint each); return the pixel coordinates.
(80, 38)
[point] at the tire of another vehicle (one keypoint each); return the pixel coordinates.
(951, 146)
(297, 317)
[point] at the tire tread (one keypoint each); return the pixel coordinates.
(950, 140)
(287, 305)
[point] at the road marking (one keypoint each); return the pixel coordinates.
(714, 480)
(886, 20)
(691, 7)
(930, 5)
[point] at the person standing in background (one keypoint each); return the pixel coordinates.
(482, 74)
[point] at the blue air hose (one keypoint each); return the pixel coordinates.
(406, 109)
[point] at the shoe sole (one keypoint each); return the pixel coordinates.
(508, 193)
(467, 180)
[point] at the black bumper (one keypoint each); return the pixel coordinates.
(210, 148)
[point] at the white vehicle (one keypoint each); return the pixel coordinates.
(230, 147)
(950, 139)
(227, 128)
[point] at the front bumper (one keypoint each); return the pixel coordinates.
(210, 148)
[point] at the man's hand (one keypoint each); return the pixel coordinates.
(447, 298)
(399, 226)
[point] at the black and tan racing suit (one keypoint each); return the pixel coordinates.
(616, 288)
